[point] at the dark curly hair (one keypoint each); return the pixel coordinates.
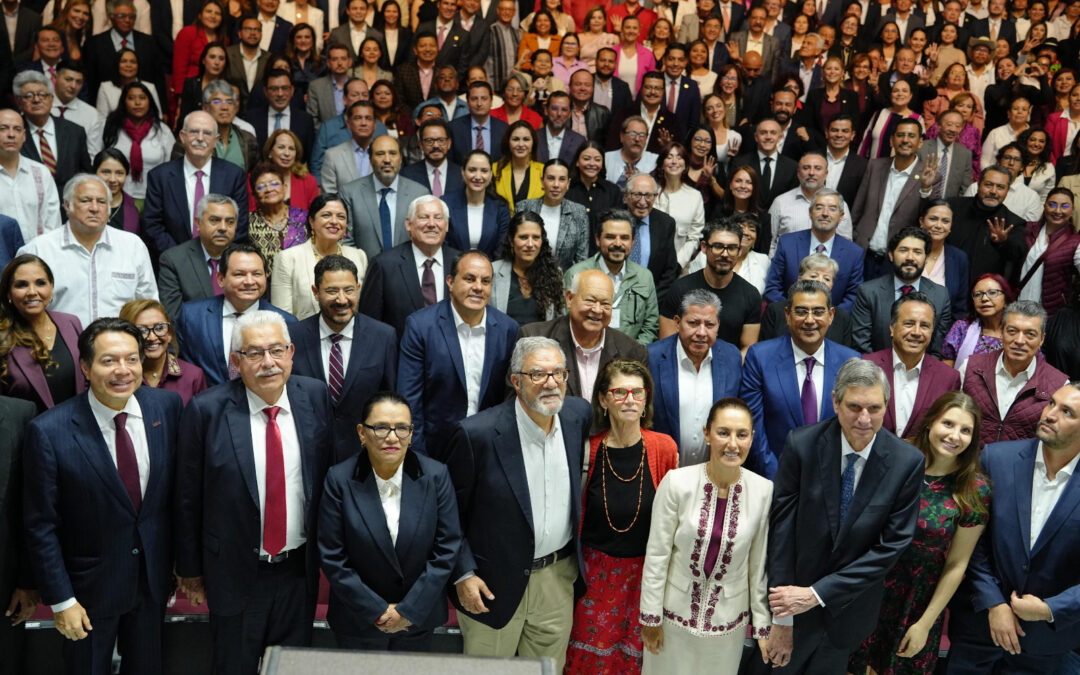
(15, 329)
(545, 276)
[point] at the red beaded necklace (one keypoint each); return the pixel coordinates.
(639, 474)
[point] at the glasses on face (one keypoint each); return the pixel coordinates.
(272, 185)
(992, 294)
(36, 95)
(620, 393)
(256, 354)
(717, 249)
(639, 135)
(729, 78)
(1011, 158)
(541, 376)
(638, 196)
(381, 431)
(435, 141)
(123, 15)
(803, 312)
(222, 101)
(159, 329)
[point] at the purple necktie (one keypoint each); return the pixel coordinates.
(713, 552)
(336, 376)
(127, 465)
(200, 190)
(809, 395)
(436, 184)
(427, 284)
(820, 248)
(213, 277)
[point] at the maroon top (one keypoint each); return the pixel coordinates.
(713, 552)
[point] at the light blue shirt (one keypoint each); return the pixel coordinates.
(897, 284)
(485, 133)
(641, 233)
(363, 159)
(814, 243)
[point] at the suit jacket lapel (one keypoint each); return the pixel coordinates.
(413, 496)
(369, 505)
(453, 347)
(154, 428)
(828, 452)
(409, 277)
(88, 436)
(511, 460)
(490, 226)
(240, 432)
(21, 358)
(668, 368)
(302, 410)
(872, 474)
(214, 318)
(66, 327)
(199, 270)
(788, 380)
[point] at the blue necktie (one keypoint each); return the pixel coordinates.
(277, 120)
(635, 248)
(384, 220)
(847, 485)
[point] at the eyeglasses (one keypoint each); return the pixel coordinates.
(541, 376)
(39, 95)
(435, 141)
(636, 134)
(159, 329)
(263, 187)
(620, 393)
(992, 294)
(1011, 158)
(381, 431)
(723, 248)
(255, 354)
(636, 196)
(803, 312)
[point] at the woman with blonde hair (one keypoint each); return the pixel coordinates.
(594, 36)
(284, 150)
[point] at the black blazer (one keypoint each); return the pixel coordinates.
(300, 123)
(403, 52)
(391, 289)
(81, 525)
(366, 569)
(808, 545)
(784, 175)
(70, 153)
(455, 48)
(372, 368)
(217, 498)
(161, 26)
(810, 115)
(450, 176)
(485, 462)
(15, 571)
(183, 275)
(99, 57)
(621, 98)
(462, 139)
(853, 174)
(27, 25)
(663, 263)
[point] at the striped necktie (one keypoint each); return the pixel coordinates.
(47, 156)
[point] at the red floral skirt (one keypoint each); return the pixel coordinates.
(606, 637)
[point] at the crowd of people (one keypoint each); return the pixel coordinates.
(386, 297)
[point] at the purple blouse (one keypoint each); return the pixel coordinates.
(713, 552)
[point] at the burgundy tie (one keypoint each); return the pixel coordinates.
(213, 277)
(336, 376)
(427, 284)
(127, 465)
(63, 109)
(809, 393)
(200, 191)
(274, 510)
(906, 288)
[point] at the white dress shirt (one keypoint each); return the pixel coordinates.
(476, 223)
(325, 344)
(268, 26)
(92, 284)
(554, 143)
(31, 198)
(548, 476)
(390, 497)
(893, 185)
(472, 341)
(905, 388)
(251, 66)
(835, 168)
(817, 376)
(695, 399)
(773, 160)
(588, 364)
(1008, 386)
(1033, 288)
(295, 534)
(438, 269)
(1045, 493)
(228, 323)
(790, 212)
(552, 216)
(190, 180)
(86, 116)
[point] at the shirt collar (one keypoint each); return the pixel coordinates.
(463, 326)
(256, 405)
(49, 127)
(846, 449)
(906, 172)
(325, 331)
(898, 284)
(104, 415)
(530, 431)
(800, 355)
(419, 258)
(1030, 370)
(189, 168)
(588, 352)
(393, 185)
(1063, 474)
(227, 308)
(762, 156)
(899, 366)
(393, 483)
(684, 358)
(69, 240)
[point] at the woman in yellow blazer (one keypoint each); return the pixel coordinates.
(517, 174)
(294, 274)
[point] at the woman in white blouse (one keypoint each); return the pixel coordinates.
(751, 265)
(127, 71)
(135, 129)
(680, 200)
(294, 267)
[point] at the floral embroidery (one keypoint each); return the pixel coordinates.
(649, 619)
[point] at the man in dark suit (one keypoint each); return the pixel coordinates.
(402, 280)
(353, 32)
(172, 187)
(27, 23)
(366, 355)
(586, 326)
(717, 368)
(985, 229)
(281, 113)
(410, 87)
(101, 51)
(656, 227)
(163, 28)
(776, 173)
(204, 326)
(514, 551)
(609, 90)
(917, 379)
(455, 354)
(846, 167)
(681, 94)
(845, 501)
(902, 15)
(587, 118)
(784, 380)
(452, 40)
(17, 585)
(872, 311)
(1015, 611)
(557, 132)
(478, 130)
(189, 271)
(250, 470)
(436, 173)
(275, 29)
(996, 25)
(58, 144)
(797, 139)
(651, 97)
(98, 493)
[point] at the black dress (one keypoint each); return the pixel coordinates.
(518, 307)
(627, 494)
(60, 378)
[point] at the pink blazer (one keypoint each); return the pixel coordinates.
(26, 379)
(1057, 128)
(645, 63)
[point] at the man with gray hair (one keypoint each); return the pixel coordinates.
(250, 468)
(631, 157)
(815, 267)
(520, 571)
(654, 232)
(405, 278)
(189, 271)
(220, 99)
(175, 188)
(845, 502)
(690, 370)
(793, 211)
(97, 268)
(58, 144)
(1011, 384)
(30, 196)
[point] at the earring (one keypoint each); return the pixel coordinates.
(605, 411)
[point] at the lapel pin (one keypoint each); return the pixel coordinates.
(156, 424)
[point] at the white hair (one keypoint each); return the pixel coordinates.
(260, 317)
(427, 199)
(78, 179)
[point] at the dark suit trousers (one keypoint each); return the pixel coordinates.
(972, 652)
(409, 641)
(279, 612)
(813, 654)
(137, 636)
(12, 645)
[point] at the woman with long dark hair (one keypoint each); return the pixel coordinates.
(213, 64)
(396, 37)
(111, 166)
(127, 71)
(589, 185)
(831, 98)
(479, 217)
(306, 63)
(527, 283)
(704, 171)
(135, 128)
(518, 176)
(397, 120)
(1038, 173)
(680, 200)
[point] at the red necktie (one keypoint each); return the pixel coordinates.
(274, 511)
(47, 156)
(671, 97)
(63, 109)
(127, 465)
(906, 288)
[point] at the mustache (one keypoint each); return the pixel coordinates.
(269, 372)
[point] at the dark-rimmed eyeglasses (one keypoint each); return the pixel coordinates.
(541, 376)
(381, 431)
(160, 329)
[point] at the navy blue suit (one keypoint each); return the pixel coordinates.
(794, 246)
(85, 538)
(167, 221)
(391, 290)
(366, 569)
(687, 110)
(726, 368)
(11, 239)
(372, 367)
(300, 123)
(431, 371)
(771, 388)
(449, 176)
(198, 327)
(496, 223)
(488, 469)
(1004, 562)
(957, 281)
(463, 140)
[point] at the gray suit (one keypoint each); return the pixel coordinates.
(959, 177)
(771, 58)
(573, 239)
(236, 75)
(361, 197)
(184, 275)
(320, 101)
(339, 167)
(871, 313)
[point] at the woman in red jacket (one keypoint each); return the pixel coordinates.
(191, 40)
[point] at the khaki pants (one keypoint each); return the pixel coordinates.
(540, 625)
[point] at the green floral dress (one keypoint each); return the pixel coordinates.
(911, 583)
